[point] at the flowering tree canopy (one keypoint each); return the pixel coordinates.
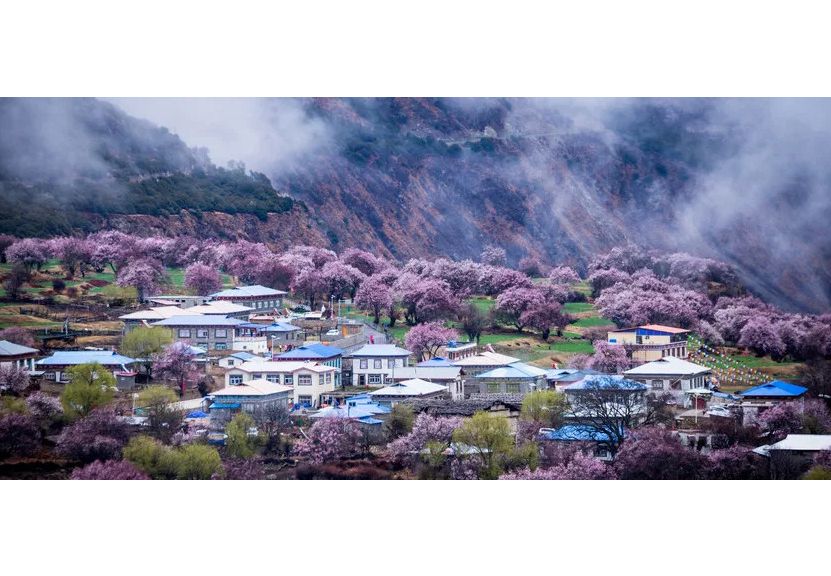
(145, 275)
(542, 316)
(30, 252)
(609, 358)
(330, 440)
(494, 256)
(580, 467)
(425, 340)
(202, 279)
(374, 295)
(563, 275)
(760, 336)
(176, 363)
(513, 302)
(13, 380)
(657, 454)
(19, 435)
(426, 429)
(109, 470)
(99, 436)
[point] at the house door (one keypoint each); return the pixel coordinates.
(362, 380)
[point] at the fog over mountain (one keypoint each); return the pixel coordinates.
(743, 180)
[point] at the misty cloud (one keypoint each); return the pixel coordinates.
(268, 135)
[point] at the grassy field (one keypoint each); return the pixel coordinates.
(484, 303)
(591, 321)
(578, 307)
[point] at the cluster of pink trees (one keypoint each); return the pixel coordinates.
(425, 339)
(426, 429)
(330, 440)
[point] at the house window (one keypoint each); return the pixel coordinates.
(184, 333)
(221, 332)
(50, 376)
(274, 378)
(657, 384)
(289, 380)
(391, 363)
(202, 333)
(304, 380)
(376, 363)
(328, 377)
(230, 361)
(235, 379)
(363, 364)
(304, 399)
(257, 376)
(221, 346)
(494, 388)
(512, 388)
(375, 379)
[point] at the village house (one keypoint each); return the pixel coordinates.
(756, 400)
(179, 300)
(315, 352)
(408, 389)
(253, 397)
(670, 374)
(257, 297)
(447, 375)
(375, 364)
(238, 358)
(651, 341)
(222, 308)
(589, 440)
(206, 331)
(361, 407)
(278, 336)
(791, 457)
(454, 350)
(12, 354)
(605, 396)
(515, 378)
(313, 383)
(504, 407)
(559, 378)
(488, 360)
(147, 317)
(55, 366)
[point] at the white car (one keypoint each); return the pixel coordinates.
(333, 332)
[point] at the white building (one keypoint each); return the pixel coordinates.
(670, 374)
(450, 376)
(407, 389)
(312, 382)
(375, 364)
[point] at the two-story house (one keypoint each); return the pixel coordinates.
(375, 364)
(315, 352)
(312, 382)
(16, 355)
(651, 341)
(211, 332)
(257, 297)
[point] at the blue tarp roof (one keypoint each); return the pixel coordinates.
(197, 414)
(776, 388)
(574, 433)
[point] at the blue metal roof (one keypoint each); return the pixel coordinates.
(606, 382)
(437, 361)
(776, 388)
(71, 358)
(311, 351)
(247, 291)
(574, 433)
(224, 405)
(513, 371)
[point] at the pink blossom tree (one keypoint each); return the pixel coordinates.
(493, 256)
(145, 275)
(494, 280)
(367, 262)
(176, 363)
(13, 380)
(202, 279)
(602, 279)
(580, 467)
(426, 429)
(564, 275)
(436, 301)
(543, 316)
(45, 409)
(19, 435)
(341, 280)
(531, 266)
(30, 252)
(310, 283)
(330, 440)
(658, 454)
(760, 336)
(74, 253)
(734, 463)
(100, 435)
(609, 358)
(514, 302)
(374, 295)
(114, 249)
(109, 470)
(425, 340)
